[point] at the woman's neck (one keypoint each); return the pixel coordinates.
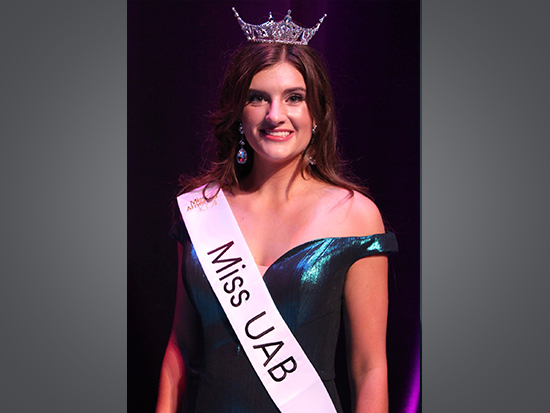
(277, 182)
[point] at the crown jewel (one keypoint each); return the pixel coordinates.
(285, 31)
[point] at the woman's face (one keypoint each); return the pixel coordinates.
(276, 119)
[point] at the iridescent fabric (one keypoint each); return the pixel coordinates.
(306, 284)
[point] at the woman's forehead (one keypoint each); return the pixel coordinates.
(279, 76)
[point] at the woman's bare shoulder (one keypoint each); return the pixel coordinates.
(367, 215)
(351, 214)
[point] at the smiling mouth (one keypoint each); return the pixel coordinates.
(276, 135)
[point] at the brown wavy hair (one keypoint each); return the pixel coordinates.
(250, 59)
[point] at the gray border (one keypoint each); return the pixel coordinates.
(63, 172)
(484, 206)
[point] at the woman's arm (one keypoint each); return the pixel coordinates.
(172, 380)
(181, 343)
(366, 313)
(366, 301)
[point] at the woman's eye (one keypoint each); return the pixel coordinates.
(296, 98)
(256, 98)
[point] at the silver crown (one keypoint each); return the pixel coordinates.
(284, 31)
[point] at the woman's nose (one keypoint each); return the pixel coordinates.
(276, 112)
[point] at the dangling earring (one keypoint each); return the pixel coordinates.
(312, 159)
(242, 156)
(312, 156)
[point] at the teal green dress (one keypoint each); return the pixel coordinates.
(307, 285)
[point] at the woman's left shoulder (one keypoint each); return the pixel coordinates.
(353, 214)
(365, 215)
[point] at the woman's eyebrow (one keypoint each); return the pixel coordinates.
(295, 89)
(286, 91)
(252, 91)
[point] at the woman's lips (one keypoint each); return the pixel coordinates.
(277, 135)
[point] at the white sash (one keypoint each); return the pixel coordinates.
(275, 354)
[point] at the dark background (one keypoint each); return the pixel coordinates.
(177, 53)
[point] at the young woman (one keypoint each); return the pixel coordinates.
(316, 238)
